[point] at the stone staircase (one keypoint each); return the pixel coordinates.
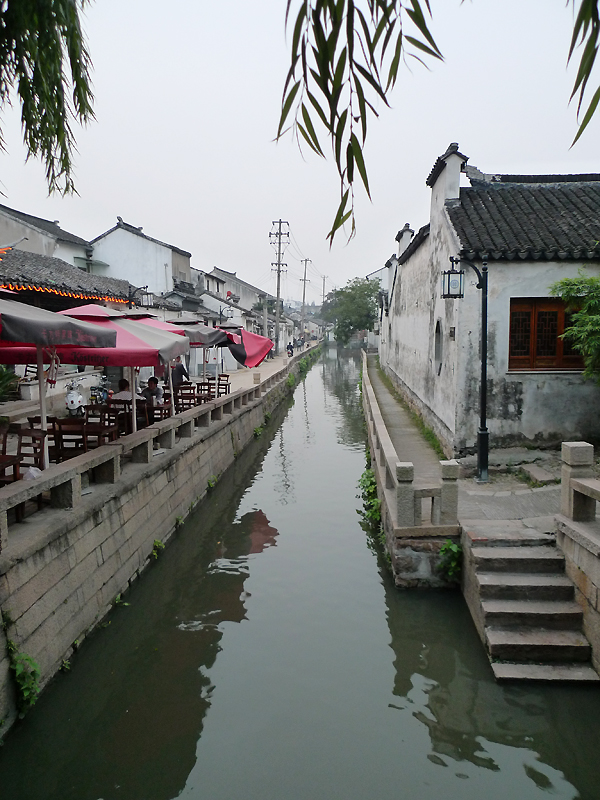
(532, 626)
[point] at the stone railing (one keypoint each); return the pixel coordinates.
(579, 489)
(396, 479)
(104, 465)
(578, 535)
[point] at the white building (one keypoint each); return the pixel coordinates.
(532, 230)
(43, 236)
(127, 252)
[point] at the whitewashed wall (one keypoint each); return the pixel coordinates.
(135, 259)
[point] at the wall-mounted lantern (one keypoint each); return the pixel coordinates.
(453, 281)
(453, 288)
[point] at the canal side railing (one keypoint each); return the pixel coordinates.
(578, 534)
(105, 465)
(401, 494)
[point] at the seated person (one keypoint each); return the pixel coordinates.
(124, 392)
(153, 390)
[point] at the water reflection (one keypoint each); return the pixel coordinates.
(340, 374)
(135, 735)
(524, 732)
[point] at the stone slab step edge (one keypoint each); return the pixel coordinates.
(512, 671)
(551, 614)
(491, 540)
(537, 645)
(519, 586)
(519, 559)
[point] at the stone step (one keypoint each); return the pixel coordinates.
(507, 671)
(539, 474)
(537, 645)
(518, 586)
(551, 614)
(519, 559)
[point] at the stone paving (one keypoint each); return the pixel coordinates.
(506, 497)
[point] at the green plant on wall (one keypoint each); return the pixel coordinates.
(372, 504)
(157, 547)
(450, 564)
(26, 673)
(212, 482)
(291, 380)
(258, 432)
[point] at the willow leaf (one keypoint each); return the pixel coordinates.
(311, 130)
(360, 163)
(287, 106)
(588, 114)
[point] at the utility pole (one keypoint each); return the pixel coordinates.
(276, 240)
(305, 262)
(324, 276)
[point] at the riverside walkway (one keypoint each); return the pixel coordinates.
(480, 507)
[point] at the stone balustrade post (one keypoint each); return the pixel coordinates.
(405, 494)
(67, 494)
(577, 462)
(449, 499)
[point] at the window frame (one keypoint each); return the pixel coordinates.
(565, 358)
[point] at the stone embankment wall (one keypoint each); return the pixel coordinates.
(61, 569)
(417, 517)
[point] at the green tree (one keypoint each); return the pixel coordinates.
(345, 57)
(582, 298)
(353, 308)
(44, 58)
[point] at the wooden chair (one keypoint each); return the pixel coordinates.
(123, 408)
(206, 391)
(223, 385)
(36, 423)
(185, 397)
(102, 424)
(30, 451)
(70, 437)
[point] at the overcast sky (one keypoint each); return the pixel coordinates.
(187, 104)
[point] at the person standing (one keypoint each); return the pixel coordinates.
(179, 372)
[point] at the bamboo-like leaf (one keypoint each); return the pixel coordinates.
(339, 136)
(287, 106)
(337, 221)
(309, 141)
(350, 30)
(350, 163)
(360, 163)
(585, 65)
(422, 46)
(339, 70)
(419, 20)
(362, 107)
(393, 72)
(298, 28)
(367, 76)
(311, 130)
(318, 109)
(588, 114)
(388, 36)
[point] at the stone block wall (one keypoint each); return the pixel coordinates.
(61, 569)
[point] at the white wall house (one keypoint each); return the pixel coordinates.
(532, 230)
(43, 236)
(127, 252)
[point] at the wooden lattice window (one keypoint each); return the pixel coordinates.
(535, 329)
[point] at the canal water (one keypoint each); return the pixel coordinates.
(266, 655)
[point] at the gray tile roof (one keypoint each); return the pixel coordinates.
(529, 217)
(46, 225)
(31, 269)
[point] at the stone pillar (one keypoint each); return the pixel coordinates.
(67, 494)
(405, 495)
(449, 504)
(578, 461)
